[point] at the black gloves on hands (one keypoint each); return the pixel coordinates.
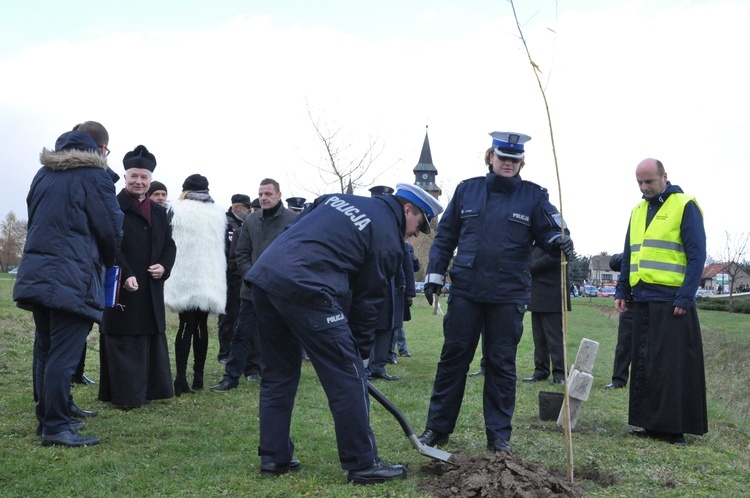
(430, 289)
(409, 301)
(565, 244)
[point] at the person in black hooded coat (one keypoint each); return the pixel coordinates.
(73, 232)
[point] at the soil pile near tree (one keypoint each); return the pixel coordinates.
(503, 475)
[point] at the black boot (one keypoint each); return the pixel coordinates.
(198, 381)
(181, 386)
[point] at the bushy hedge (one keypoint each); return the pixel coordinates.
(706, 303)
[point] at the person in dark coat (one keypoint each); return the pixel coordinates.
(342, 248)
(411, 266)
(255, 235)
(73, 233)
(134, 356)
(392, 313)
(621, 368)
(547, 317)
(492, 221)
(236, 215)
(662, 265)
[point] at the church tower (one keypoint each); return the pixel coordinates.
(425, 172)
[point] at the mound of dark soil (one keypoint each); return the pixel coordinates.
(494, 475)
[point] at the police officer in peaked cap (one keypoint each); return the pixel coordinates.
(492, 220)
(323, 284)
(296, 204)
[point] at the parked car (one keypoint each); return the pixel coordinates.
(419, 286)
(590, 291)
(606, 292)
(13, 271)
(704, 293)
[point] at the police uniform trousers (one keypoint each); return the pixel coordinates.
(667, 376)
(244, 353)
(546, 327)
(58, 344)
(624, 346)
(283, 326)
(462, 326)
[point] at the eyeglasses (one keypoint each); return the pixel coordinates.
(106, 149)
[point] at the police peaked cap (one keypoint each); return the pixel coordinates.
(380, 190)
(509, 144)
(423, 200)
(139, 157)
(296, 202)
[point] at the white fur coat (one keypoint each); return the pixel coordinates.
(198, 279)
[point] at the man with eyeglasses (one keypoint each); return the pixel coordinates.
(492, 221)
(73, 233)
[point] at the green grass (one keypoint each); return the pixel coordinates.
(206, 444)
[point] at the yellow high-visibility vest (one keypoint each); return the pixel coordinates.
(656, 253)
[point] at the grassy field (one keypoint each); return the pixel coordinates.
(206, 444)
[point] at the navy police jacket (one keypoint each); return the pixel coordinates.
(341, 244)
(493, 221)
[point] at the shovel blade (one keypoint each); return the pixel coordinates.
(435, 453)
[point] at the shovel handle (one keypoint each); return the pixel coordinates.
(388, 405)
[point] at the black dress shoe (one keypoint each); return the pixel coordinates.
(385, 376)
(499, 446)
(557, 382)
(477, 373)
(392, 359)
(536, 378)
(276, 469)
(80, 413)
(432, 438)
(223, 386)
(83, 380)
(75, 426)
(405, 353)
(614, 385)
(69, 439)
(376, 473)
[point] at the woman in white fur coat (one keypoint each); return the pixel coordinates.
(197, 286)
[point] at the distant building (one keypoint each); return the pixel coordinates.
(599, 272)
(425, 172)
(716, 277)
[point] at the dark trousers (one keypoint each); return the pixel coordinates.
(193, 329)
(283, 326)
(548, 344)
(624, 348)
(462, 326)
(58, 343)
(381, 348)
(228, 320)
(244, 353)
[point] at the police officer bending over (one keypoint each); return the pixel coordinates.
(343, 248)
(493, 221)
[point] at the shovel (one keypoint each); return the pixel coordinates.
(427, 451)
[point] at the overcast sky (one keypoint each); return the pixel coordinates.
(223, 89)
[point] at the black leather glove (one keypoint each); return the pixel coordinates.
(409, 301)
(430, 289)
(565, 244)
